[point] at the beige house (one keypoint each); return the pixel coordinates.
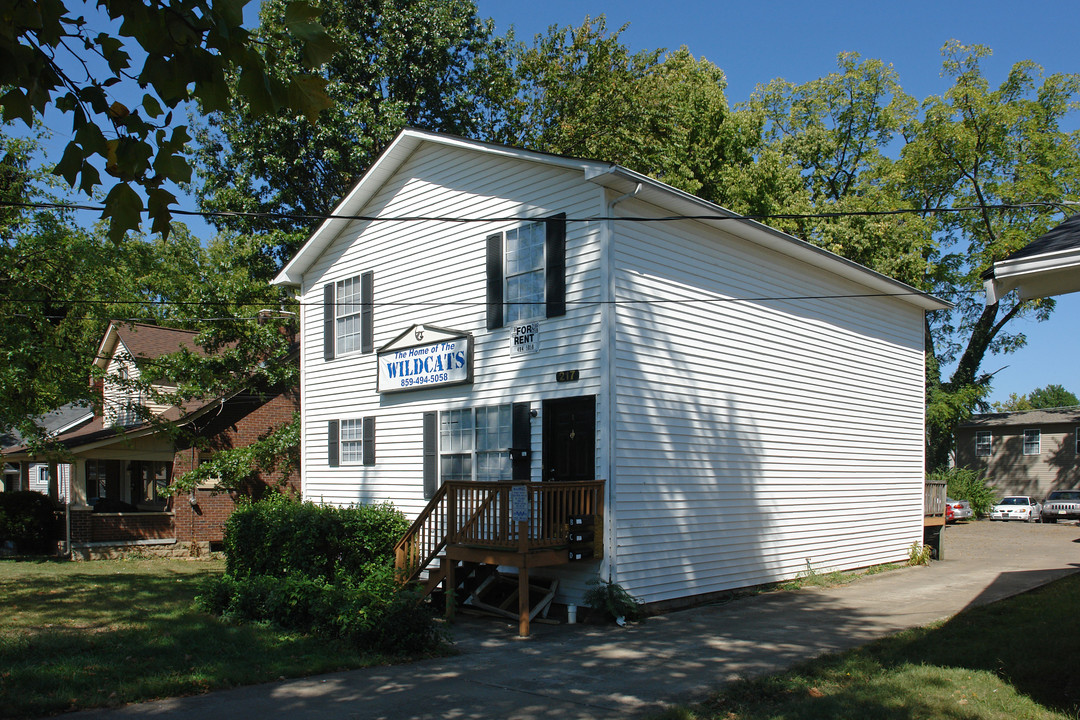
(1029, 452)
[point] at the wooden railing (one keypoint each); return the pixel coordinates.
(934, 499)
(477, 514)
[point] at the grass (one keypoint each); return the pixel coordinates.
(105, 633)
(1017, 658)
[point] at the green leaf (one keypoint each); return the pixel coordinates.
(307, 94)
(151, 106)
(157, 203)
(124, 206)
(17, 105)
(71, 163)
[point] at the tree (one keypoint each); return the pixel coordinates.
(52, 60)
(973, 147)
(1051, 396)
(413, 62)
(582, 92)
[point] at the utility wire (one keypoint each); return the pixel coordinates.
(588, 219)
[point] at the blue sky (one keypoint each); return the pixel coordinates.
(754, 42)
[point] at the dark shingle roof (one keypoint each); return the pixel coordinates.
(1065, 236)
(1046, 416)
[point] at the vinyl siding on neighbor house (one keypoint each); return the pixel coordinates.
(751, 433)
(1010, 472)
(433, 273)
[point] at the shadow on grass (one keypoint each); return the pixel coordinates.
(1028, 641)
(118, 633)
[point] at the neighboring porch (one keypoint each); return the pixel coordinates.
(470, 525)
(934, 516)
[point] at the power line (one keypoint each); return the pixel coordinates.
(588, 219)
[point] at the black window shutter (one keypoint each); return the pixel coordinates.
(369, 441)
(555, 247)
(332, 443)
(521, 437)
(494, 281)
(328, 321)
(367, 296)
(431, 454)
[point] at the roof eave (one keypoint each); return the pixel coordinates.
(622, 179)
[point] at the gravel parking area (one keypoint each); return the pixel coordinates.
(985, 541)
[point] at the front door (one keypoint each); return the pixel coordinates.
(570, 439)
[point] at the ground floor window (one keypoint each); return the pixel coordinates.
(103, 479)
(474, 444)
(150, 481)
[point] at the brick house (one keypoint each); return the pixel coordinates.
(125, 458)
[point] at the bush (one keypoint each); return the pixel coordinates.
(28, 519)
(611, 599)
(967, 484)
(280, 537)
(323, 570)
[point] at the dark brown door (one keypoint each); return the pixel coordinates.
(570, 439)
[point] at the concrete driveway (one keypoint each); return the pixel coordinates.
(591, 672)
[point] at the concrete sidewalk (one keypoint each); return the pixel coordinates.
(609, 672)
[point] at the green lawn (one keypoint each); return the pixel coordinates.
(1019, 658)
(89, 634)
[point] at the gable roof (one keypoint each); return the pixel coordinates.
(608, 175)
(1048, 265)
(144, 342)
(56, 422)
(1044, 416)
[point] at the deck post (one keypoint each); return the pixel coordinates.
(450, 582)
(523, 579)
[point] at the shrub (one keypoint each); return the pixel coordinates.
(28, 519)
(611, 599)
(967, 484)
(323, 570)
(279, 537)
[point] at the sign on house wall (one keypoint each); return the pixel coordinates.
(411, 363)
(525, 338)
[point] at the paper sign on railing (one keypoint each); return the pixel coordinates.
(519, 503)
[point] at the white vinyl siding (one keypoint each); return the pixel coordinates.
(433, 273)
(754, 426)
(754, 434)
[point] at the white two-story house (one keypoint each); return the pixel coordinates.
(726, 403)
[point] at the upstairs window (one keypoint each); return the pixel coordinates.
(1032, 442)
(524, 292)
(348, 315)
(983, 443)
(526, 272)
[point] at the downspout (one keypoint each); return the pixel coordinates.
(608, 324)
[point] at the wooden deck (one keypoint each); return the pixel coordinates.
(522, 525)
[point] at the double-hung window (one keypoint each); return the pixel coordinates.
(1032, 442)
(526, 272)
(524, 292)
(347, 316)
(983, 443)
(350, 442)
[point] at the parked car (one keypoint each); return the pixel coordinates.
(1017, 507)
(950, 514)
(961, 509)
(1061, 505)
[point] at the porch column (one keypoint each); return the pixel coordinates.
(24, 475)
